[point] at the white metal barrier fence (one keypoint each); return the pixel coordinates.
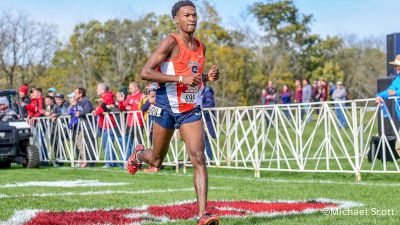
(312, 137)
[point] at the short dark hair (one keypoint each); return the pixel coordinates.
(179, 5)
(49, 97)
(82, 91)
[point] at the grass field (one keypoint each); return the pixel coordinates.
(376, 192)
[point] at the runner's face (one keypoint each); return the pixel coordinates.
(186, 19)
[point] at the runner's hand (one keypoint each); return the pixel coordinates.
(213, 74)
(391, 92)
(193, 80)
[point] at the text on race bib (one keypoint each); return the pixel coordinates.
(155, 111)
(188, 97)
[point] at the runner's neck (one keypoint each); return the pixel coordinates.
(188, 39)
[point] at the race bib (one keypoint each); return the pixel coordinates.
(188, 97)
(155, 111)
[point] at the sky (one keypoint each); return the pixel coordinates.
(365, 18)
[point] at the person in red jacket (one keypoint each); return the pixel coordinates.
(134, 121)
(36, 107)
(105, 126)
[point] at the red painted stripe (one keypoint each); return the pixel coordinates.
(183, 211)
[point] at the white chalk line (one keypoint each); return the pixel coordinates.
(274, 180)
(271, 180)
(64, 183)
(106, 192)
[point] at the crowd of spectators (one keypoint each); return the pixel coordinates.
(35, 103)
(304, 92)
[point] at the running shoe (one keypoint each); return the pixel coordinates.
(133, 163)
(208, 219)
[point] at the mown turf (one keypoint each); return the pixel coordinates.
(376, 191)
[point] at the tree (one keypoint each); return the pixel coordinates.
(285, 38)
(26, 48)
(113, 52)
(363, 62)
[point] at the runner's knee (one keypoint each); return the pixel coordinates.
(198, 159)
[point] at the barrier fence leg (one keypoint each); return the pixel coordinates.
(358, 176)
(356, 141)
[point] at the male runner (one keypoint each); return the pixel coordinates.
(177, 65)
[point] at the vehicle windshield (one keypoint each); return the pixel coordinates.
(12, 98)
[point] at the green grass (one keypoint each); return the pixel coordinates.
(238, 185)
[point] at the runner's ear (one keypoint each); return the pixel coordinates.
(176, 20)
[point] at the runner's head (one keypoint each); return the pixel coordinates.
(185, 15)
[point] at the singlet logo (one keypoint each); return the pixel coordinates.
(195, 66)
(195, 69)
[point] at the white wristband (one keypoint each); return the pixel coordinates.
(180, 79)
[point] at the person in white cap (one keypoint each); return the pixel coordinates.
(394, 88)
(6, 114)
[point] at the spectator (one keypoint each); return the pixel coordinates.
(84, 109)
(149, 101)
(324, 91)
(48, 110)
(106, 103)
(286, 95)
(340, 95)
(52, 92)
(286, 98)
(306, 97)
(393, 89)
(24, 100)
(6, 114)
(134, 122)
(263, 99)
(72, 111)
(208, 102)
(121, 133)
(49, 105)
(60, 109)
(124, 91)
(298, 92)
(36, 106)
(316, 91)
(76, 133)
(271, 94)
(332, 89)
(36, 109)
